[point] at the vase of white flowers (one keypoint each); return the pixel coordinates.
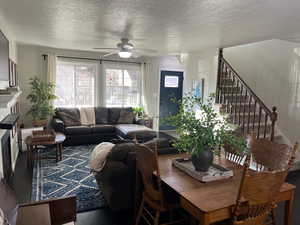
(202, 130)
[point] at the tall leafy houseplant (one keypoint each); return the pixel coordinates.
(41, 97)
(202, 130)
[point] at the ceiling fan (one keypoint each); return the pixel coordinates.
(125, 49)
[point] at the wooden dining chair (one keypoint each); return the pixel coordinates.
(268, 155)
(255, 203)
(153, 197)
(256, 197)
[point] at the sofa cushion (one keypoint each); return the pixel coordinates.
(101, 114)
(70, 116)
(126, 116)
(113, 115)
(102, 128)
(78, 130)
(131, 131)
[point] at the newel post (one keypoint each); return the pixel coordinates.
(220, 57)
(274, 118)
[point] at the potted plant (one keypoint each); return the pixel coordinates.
(139, 112)
(202, 130)
(41, 98)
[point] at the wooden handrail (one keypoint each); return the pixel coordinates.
(232, 91)
(261, 103)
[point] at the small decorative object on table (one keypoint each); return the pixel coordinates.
(43, 135)
(214, 172)
(202, 131)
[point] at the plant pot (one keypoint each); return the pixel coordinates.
(40, 123)
(203, 160)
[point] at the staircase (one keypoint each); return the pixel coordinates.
(244, 107)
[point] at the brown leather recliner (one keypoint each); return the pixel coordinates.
(117, 179)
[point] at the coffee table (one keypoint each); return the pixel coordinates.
(33, 146)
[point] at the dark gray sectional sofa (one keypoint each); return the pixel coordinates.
(110, 123)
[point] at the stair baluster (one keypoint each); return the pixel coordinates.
(240, 105)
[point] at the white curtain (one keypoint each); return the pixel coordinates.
(147, 88)
(51, 68)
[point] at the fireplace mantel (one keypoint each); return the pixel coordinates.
(7, 101)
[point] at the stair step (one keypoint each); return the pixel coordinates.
(226, 82)
(229, 90)
(238, 107)
(236, 97)
(244, 117)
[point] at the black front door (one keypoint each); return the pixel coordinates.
(170, 87)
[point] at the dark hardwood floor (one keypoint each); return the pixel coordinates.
(104, 216)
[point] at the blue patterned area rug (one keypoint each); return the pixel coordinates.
(71, 176)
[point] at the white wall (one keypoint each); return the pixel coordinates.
(272, 70)
(201, 65)
(9, 35)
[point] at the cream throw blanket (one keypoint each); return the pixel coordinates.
(99, 155)
(87, 116)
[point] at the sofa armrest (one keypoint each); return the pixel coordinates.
(62, 210)
(58, 125)
(148, 122)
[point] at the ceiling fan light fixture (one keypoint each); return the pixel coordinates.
(125, 54)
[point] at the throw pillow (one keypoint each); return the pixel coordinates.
(87, 116)
(8, 203)
(101, 115)
(114, 114)
(70, 116)
(126, 117)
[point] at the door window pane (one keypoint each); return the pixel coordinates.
(171, 81)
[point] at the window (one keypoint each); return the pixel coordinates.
(122, 86)
(75, 83)
(171, 81)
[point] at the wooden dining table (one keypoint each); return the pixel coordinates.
(213, 201)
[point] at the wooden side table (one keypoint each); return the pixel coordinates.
(33, 146)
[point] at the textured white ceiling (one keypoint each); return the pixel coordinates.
(168, 26)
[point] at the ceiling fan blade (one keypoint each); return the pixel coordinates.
(109, 54)
(105, 48)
